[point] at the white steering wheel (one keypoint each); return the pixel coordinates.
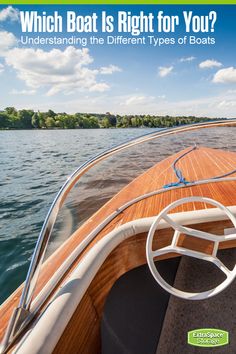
(179, 229)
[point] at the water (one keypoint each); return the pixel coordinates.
(34, 165)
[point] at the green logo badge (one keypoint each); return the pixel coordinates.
(208, 337)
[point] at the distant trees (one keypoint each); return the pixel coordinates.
(35, 120)
(4, 120)
(11, 111)
(25, 118)
(11, 118)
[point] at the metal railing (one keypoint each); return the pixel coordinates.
(22, 312)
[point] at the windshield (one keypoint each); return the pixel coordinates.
(97, 181)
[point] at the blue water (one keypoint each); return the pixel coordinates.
(34, 165)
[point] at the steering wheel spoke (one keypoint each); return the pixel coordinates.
(222, 267)
(161, 251)
(180, 229)
(192, 232)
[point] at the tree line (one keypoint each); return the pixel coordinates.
(11, 118)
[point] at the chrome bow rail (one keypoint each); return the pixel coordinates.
(21, 316)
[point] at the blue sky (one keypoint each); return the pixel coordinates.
(173, 79)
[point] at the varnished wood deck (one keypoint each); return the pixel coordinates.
(202, 163)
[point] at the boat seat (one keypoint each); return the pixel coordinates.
(135, 310)
(185, 315)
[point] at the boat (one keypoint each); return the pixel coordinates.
(153, 262)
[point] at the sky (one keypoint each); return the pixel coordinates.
(125, 79)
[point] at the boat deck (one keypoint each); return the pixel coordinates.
(202, 163)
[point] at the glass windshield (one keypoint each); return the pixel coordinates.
(105, 179)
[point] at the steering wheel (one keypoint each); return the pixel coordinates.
(179, 229)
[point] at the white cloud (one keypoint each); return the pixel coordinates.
(187, 59)
(225, 76)
(209, 63)
(227, 104)
(99, 87)
(222, 105)
(138, 100)
(9, 13)
(22, 92)
(1, 68)
(7, 41)
(107, 70)
(164, 71)
(65, 71)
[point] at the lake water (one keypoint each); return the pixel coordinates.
(34, 165)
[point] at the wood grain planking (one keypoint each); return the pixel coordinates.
(82, 334)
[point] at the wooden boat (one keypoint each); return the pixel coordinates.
(101, 292)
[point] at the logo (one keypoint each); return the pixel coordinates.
(208, 337)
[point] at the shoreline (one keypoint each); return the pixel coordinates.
(108, 128)
(13, 119)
